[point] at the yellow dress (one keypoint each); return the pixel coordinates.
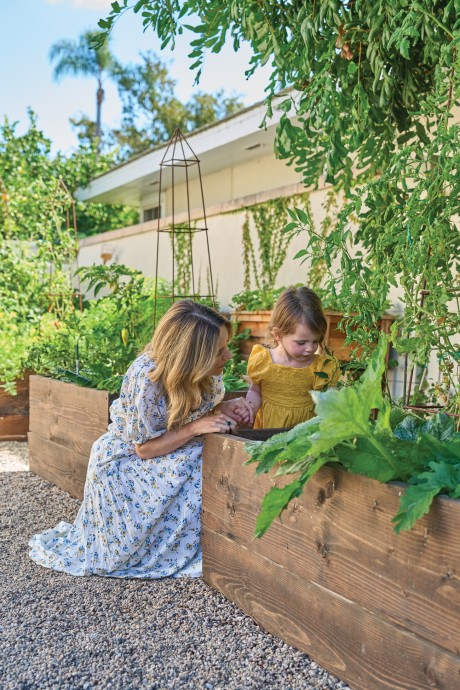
(286, 400)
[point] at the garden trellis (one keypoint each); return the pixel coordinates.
(179, 155)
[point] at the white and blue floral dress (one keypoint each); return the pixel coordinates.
(139, 518)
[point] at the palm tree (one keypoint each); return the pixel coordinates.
(80, 58)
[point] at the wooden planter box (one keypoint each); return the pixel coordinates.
(378, 610)
(65, 420)
(14, 412)
(335, 338)
(257, 322)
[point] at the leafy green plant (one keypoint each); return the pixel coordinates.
(38, 245)
(406, 238)
(107, 335)
(235, 372)
(358, 70)
(262, 260)
(256, 300)
(424, 453)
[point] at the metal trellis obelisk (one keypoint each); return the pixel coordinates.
(179, 155)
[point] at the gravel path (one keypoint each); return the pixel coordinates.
(59, 632)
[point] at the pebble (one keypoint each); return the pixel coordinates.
(66, 633)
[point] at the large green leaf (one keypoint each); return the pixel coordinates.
(419, 495)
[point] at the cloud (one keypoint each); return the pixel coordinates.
(100, 5)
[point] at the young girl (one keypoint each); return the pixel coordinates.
(141, 510)
(283, 375)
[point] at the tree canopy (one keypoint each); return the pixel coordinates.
(152, 111)
(28, 177)
(359, 69)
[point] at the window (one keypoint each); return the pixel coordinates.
(151, 213)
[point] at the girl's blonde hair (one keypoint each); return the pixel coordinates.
(294, 306)
(184, 348)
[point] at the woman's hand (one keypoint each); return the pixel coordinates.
(171, 440)
(211, 424)
(238, 409)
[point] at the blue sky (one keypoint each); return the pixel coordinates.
(30, 27)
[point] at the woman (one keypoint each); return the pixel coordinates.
(141, 511)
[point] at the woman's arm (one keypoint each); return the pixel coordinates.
(171, 440)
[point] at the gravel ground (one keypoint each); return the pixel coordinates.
(66, 633)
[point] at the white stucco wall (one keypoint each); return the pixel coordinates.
(139, 250)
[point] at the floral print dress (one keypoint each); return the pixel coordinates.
(139, 518)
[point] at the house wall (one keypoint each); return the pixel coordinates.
(233, 182)
(226, 194)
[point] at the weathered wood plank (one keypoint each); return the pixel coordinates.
(14, 412)
(339, 535)
(15, 404)
(69, 415)
(14, 427)
(346, 639)
(57, 464)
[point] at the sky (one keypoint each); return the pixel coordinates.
(28, 29)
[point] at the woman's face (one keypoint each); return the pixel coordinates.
(223, 353)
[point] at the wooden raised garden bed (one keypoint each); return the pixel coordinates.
(14, 412)
(65, 420)
(380, 611)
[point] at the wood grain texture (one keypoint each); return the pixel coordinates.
(338, 535)
(343, 637)
(14, 412)
(14, 427)
(57, 464)
(257, 322)
(66, 414)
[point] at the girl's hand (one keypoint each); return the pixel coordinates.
(211, 424)
(239, 410)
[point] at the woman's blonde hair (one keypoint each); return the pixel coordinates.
(184, 348)
(294, 306)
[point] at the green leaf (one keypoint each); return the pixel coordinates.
(408, 429)
(419, 495)
(404, 48)
(422, 133)
(290, 227)
(364, 458)
(300, 253)
(441, 426)
(285, 105)
(274, 502)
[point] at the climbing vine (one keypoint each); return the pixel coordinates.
(182, 248)
(263, 259)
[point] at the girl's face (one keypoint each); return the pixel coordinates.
(223, 353)
(299, 346)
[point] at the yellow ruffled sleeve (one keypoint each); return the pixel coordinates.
(258, 363)
(326, 365)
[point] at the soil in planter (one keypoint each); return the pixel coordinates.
(258, 434)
